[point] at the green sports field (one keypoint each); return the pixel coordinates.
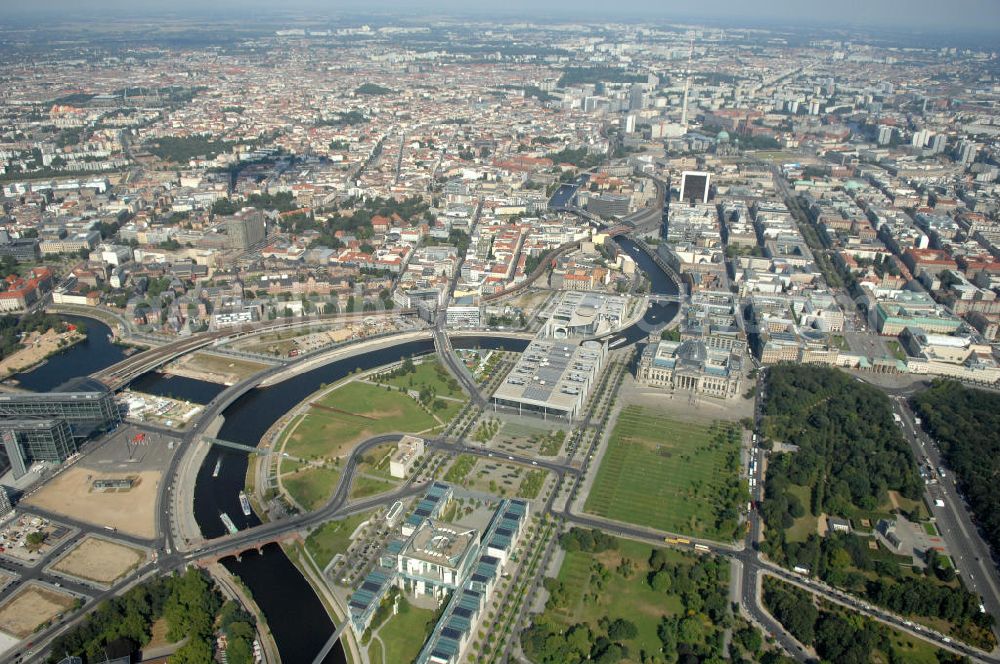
(676, 476)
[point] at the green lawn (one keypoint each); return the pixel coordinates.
(369, 486)
(311, 487)
(351, 414)
(804, 526)
(910, 649)
(376, 461)
(671, 475)
(333, 537)
(905, 504)
(290, 465)
(778, 155)
(404, 634)
(375, 652)
(930, 529)
(449, 411)
(430, 373)
(632, 598)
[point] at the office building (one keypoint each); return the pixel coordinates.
(22, 250)
(584, 314)
(628, 123)
(901, 309)
(695, 186)
(464, 316)
(636, 97)
(430, 506)
(87, 405)
(939, 143)
(71, 244)
(6, 507)
(551, 379)
(885, 134)
(26, 441)
(967, 152)
(607, 205)
(954, 356)
(920, 138)
(245, 229)
(407, 452)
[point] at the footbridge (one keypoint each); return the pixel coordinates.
(331, 642)
(259, 451)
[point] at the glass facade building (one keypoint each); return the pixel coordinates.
(28, 441)
(44, 427)
(87, 405)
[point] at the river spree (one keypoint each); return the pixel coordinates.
(96, 352)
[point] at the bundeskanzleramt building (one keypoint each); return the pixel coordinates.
(435, 558)
(691, 365)
(462, 614)
(457, 566)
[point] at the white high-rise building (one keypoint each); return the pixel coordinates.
(921, 137)
(967, 152)
(628, 123)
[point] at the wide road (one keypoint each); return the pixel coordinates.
(752, 560)
(970, 554)
(442, 344)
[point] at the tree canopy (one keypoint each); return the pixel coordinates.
(965, 423)
(191, 606)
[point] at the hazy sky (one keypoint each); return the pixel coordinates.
(940, 15)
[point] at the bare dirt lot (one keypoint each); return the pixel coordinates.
(98, 560)
(132, 512)
(36, 348)
(204, 366)
(30, 607)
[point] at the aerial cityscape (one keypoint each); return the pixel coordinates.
(542, 333)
